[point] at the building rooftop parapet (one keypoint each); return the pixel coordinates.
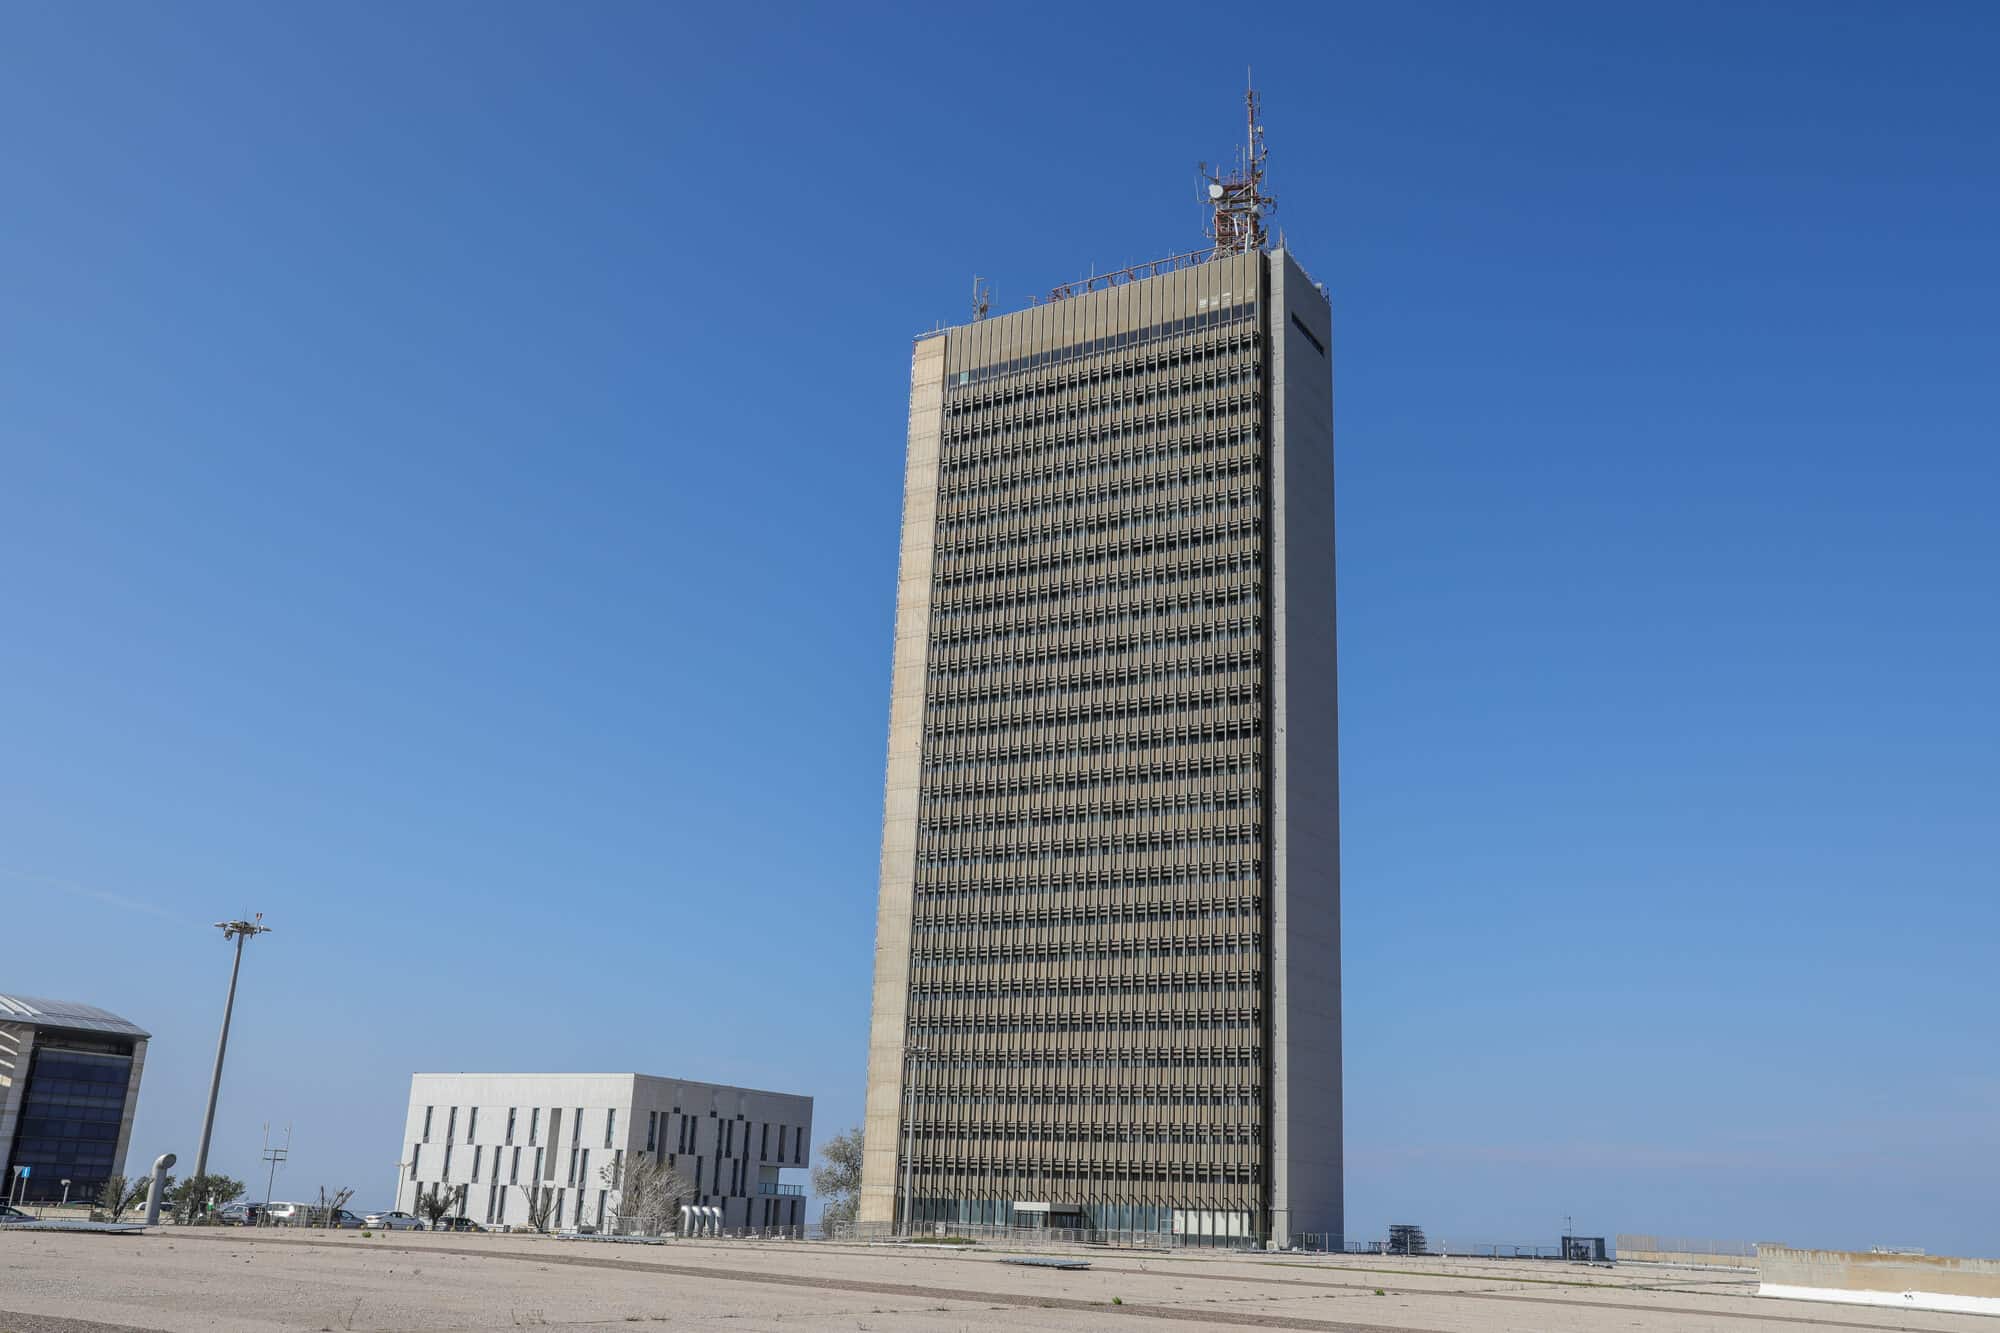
(31, 1011)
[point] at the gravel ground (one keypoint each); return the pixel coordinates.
(225, 1281)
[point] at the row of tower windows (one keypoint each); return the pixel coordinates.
(1124, 777)
(1161, 653)
(1172, 803)
(1092, 424)
(1201, 476)
(1083, 951)
(979, 736)
(1023, 605)
(1123, 1022)
(1103, 812)
(1152, 640)
(1063, 934)
(1136, 583)
(1162, 877)
(1161, 647)
(1136, 519)
(1072, 463)
(967, 572)
(965, 431)
(1108, 432)
(1130, 888)
(1236, 1094)
(1250, 594)
(1163, 705)
(985, 759)
(1101, 846)
(1199, 987)
(1155, 641)
(1089, 1030)
(1174, 667)
(1215, 1045)
(1145, 1134)
(1101, 1176)
(1236, 1057)
(1210, 361)
(1229, 909)
(1148, 350)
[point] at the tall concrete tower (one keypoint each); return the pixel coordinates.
(1107, 955)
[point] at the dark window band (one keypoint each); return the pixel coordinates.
(1299, 324)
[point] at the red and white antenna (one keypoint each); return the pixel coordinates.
(1236, 201)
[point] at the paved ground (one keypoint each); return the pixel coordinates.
(227, 1281)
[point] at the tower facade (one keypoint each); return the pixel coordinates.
(1107, 968)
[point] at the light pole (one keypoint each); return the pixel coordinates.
(65, 1202)
(910, 1055)
(238, 931)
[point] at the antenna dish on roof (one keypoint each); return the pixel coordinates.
(1236, 199)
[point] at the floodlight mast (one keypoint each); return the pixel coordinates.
(238, 931)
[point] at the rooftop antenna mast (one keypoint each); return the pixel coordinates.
(982, 298)
(1236, 200)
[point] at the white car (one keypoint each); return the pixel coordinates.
(394, 1221)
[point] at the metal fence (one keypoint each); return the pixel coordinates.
(1031, 1238)
(1334, 1243)
(1736, 1249)
(1038, 1237)
(1487, 1249)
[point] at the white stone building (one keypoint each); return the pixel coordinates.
(492, 1136)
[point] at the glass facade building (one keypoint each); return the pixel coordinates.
(69, 1082)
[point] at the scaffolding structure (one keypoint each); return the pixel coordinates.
(1406, 1238)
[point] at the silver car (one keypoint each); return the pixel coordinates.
(394, 1221)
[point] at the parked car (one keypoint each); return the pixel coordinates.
(343, 1219)
(235, 1214)
(9, 1213)
(458, 1224)
(286, 1214)
(397, 1220)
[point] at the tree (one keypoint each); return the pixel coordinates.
(650, 1194)
(437, 1203)
(837, 1178)
(120, 1195)
(330, 1205)
(541, 1203)
(197, 1196)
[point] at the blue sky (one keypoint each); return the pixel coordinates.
(452, 464)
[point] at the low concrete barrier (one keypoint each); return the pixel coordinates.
(1910, 1281)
